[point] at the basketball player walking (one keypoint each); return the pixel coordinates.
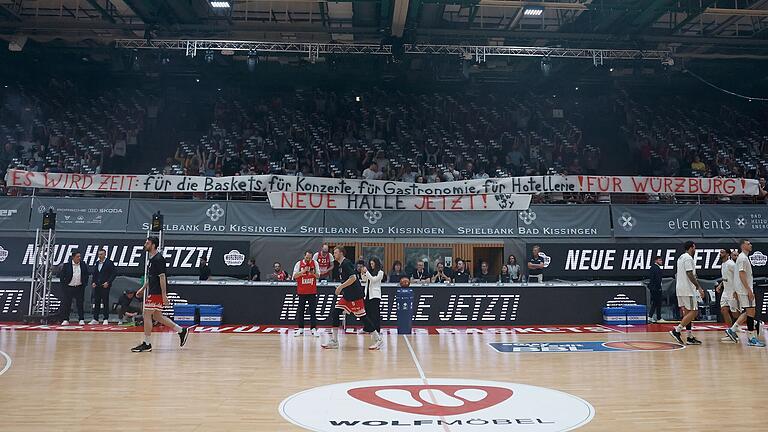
(305, 274)
(687, 285)
(157, 296)
(746, 297)
(728, 302)
(351, 301)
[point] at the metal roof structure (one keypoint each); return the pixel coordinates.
(688, 28)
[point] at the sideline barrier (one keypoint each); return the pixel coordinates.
(433, 305)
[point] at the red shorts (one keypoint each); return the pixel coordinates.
(355, 307)
(154, 301)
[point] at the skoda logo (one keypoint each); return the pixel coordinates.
(215, 213)
(527, 216)
(627, 222)
(372, 216)
(741, 221)
(42, 209)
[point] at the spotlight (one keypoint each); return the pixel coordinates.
(533, 11)
(220, 4)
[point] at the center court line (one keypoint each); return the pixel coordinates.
(8, 362)
(424, 379)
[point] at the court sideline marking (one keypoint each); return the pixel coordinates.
(424, 379)
(8, 362)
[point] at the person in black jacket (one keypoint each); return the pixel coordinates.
(74, 278)
(205, 271)
(655, 288)
(104, 275)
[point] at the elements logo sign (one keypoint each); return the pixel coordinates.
(234, 258)
(741, 221)
(6, 213)
(758, 259)
(527, 216)
(590, 346)
(3, 254)
(627, 222)
(460, 405)
(372, 216)
(215, 212)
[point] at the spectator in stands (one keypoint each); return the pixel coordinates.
(513, 268)
(461, 274)
(485, 276)
(697, 165)
(654, 286)
(505, 277)
(420, 274)
(397, 272)
(254, 274)
(763, 191)
(536, 266)
(104, 275)
(278, 275)
(442, 275)
(372, 172)
(205, 271)
(74, 278)
(408, 174)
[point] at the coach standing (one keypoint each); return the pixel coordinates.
(536, 266)
(74, 277)
(654, 286)
(104, 275)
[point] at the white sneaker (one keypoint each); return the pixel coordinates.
(106, 322)
(315, 332)
(298, 332)
(65, 322)
(332, 344)
(82, 322)
(92, 322)
(377, 344)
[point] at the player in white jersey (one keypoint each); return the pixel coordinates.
(746, 297)
(688, 289)
(729, 305)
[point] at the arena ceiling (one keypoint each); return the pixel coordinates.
(690, 28)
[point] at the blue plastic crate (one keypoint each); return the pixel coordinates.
(184, 314)
(615, 316)
(636, 314)
(210, 315)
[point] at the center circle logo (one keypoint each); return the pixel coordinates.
(459, 404)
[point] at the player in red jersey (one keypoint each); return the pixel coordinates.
(325, 261)
(351, 301)
(305, 274)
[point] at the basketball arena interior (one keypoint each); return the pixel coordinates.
(383, 215)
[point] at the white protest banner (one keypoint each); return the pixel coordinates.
(304, 201)
(335, 186)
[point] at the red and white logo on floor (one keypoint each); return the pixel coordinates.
(442, 404)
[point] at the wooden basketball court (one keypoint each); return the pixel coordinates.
(90, 381)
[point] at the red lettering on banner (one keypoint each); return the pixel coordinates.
(485, 200)
(52, 180)
(705, 187)
(679, 186)
(617, 184)
(301, 202)
(693, 186)
(420, 206)
(331, 202)
(15, 174)
(316, 200)
(639, 186)
(286, 200)
(457, 203)
(659, 184)
(729, 186)
(581, 182)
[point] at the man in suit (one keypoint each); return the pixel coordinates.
(74, 277)
(104, 275)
